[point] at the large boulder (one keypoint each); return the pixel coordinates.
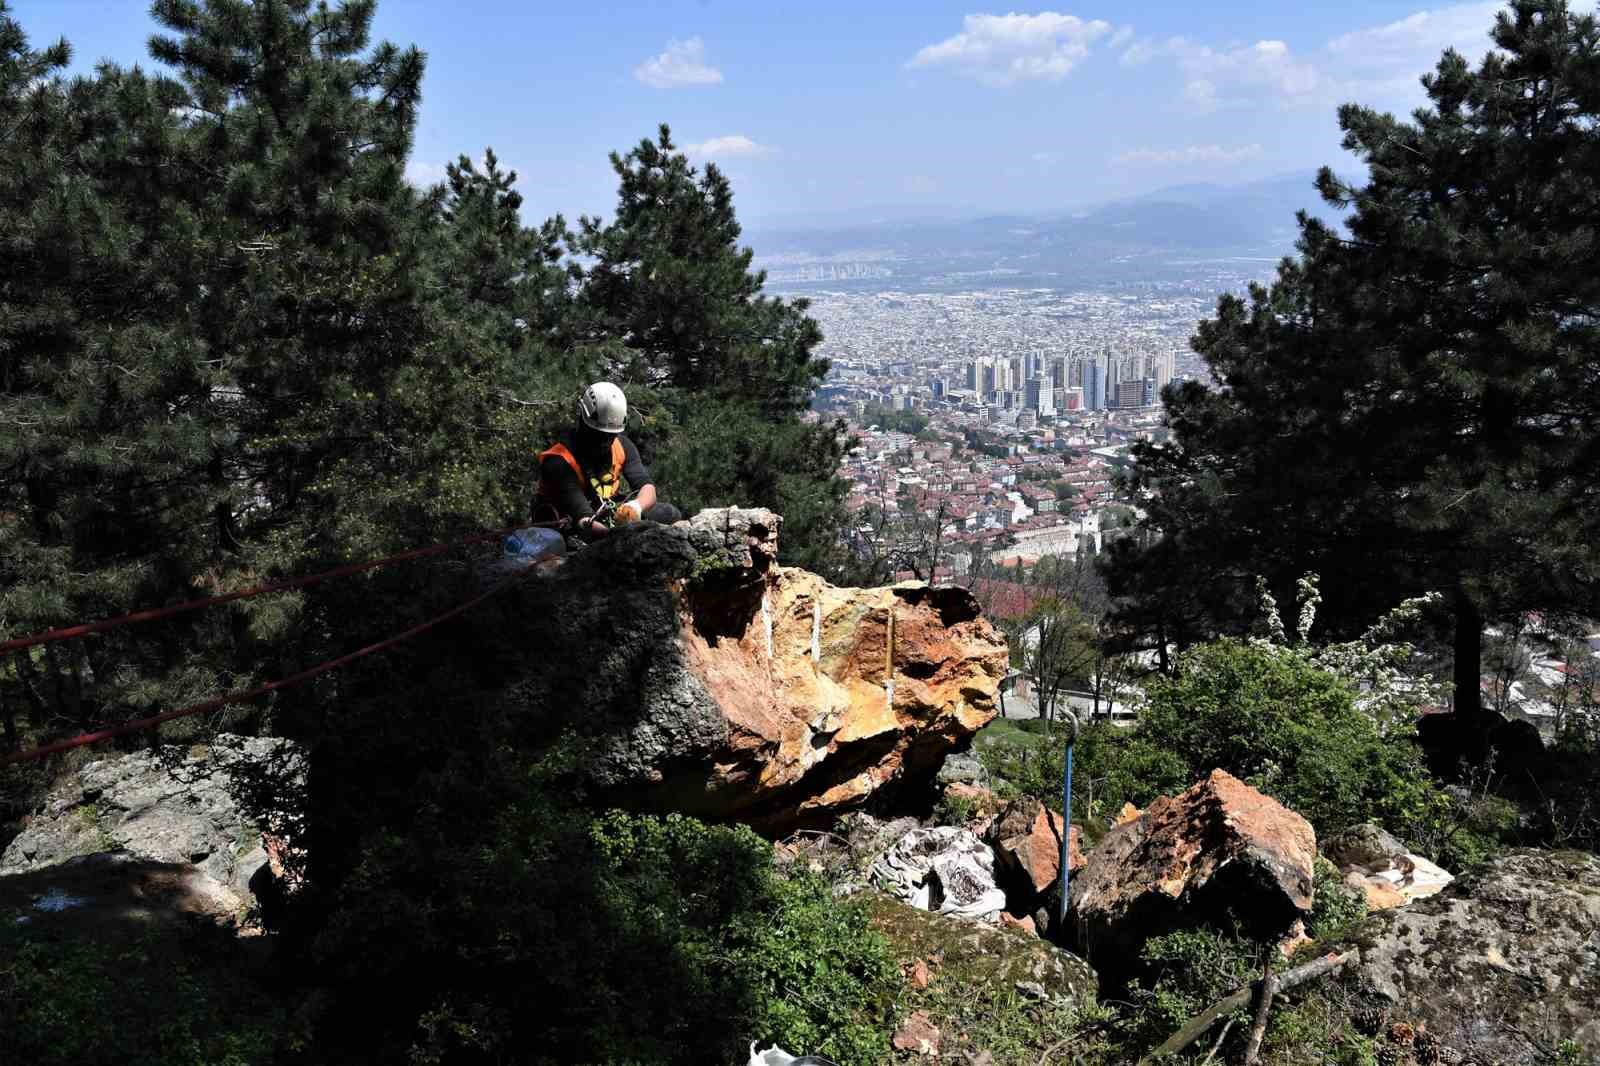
(177, 806)
(1502, 963)
(713, 681)
(1220, 851)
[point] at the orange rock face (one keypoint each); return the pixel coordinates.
(1219, 848)
(1027, 840)
(831, 693)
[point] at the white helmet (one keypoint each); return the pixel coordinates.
(603, 407)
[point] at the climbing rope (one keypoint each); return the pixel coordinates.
(242, 695)
(151, 615)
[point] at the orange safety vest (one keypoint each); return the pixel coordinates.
(604, 486)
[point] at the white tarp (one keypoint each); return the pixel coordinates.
(945, 869)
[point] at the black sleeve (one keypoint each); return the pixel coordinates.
(632, 468)
(570, 499)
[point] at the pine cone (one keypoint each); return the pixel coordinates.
(1401, 1034)
(1368, 1019)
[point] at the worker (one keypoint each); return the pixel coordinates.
(583, 472)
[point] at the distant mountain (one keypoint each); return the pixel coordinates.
(1252, 220)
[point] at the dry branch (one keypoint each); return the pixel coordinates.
(1195, 1027)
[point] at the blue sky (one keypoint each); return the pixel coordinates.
(829, 107)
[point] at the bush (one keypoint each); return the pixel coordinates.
(641, 940)
(1111, 766)
(1335, 908)
(1272, 717)
(162, 998)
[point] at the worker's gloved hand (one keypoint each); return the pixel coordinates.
(629, 512)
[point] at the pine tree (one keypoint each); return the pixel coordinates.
(226, 355)
(671, 302)
(1411, 407)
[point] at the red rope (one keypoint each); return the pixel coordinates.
(260, 690)
(69, 632)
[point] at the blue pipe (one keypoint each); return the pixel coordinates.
(1066, 818)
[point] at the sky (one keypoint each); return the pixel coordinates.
(836, 109)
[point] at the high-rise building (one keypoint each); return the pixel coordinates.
(1072, 399)
(1058, 372)
(1094, 385)
(1165, 366)
(988, 385)
(973, 377)
(1130, 393)
(1041, 397)
(938, 387)
(1075, 374)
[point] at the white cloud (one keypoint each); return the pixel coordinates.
(1379, 65)
(1195, 153)
(732, 145)
(423, 175)
(683, 63)
(1201, 93)
(1215, 76)
(1001, 50)
(1394, 55)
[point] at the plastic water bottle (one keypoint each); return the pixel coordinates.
(534, 543)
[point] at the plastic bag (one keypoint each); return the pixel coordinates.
(534, 543)
(776, 1056)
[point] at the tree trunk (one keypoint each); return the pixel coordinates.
(8, 717)
(1468, 661)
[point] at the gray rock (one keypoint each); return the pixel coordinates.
(964, 768)
(736, 536)
(1506, 955)
(169, 806)
(1362, 845)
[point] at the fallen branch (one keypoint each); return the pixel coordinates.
(1195, 1027)
(1052, 1049)
(1269, 989)
(1226, 1026)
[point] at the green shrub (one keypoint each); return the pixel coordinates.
(1187, 971)
(1111, 766)
(640, 939)
(165, 998)
(771, 959)
(1271, 716)
(1335, 908)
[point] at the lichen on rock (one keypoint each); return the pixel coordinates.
(1504, 958)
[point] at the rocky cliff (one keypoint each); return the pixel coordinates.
(714, 682)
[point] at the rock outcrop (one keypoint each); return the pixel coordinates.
(173, 806)
(1219, 848)
(980, 957)
(1502, 965)
(716, 683)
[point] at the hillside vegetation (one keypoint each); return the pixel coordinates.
(237, 345)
